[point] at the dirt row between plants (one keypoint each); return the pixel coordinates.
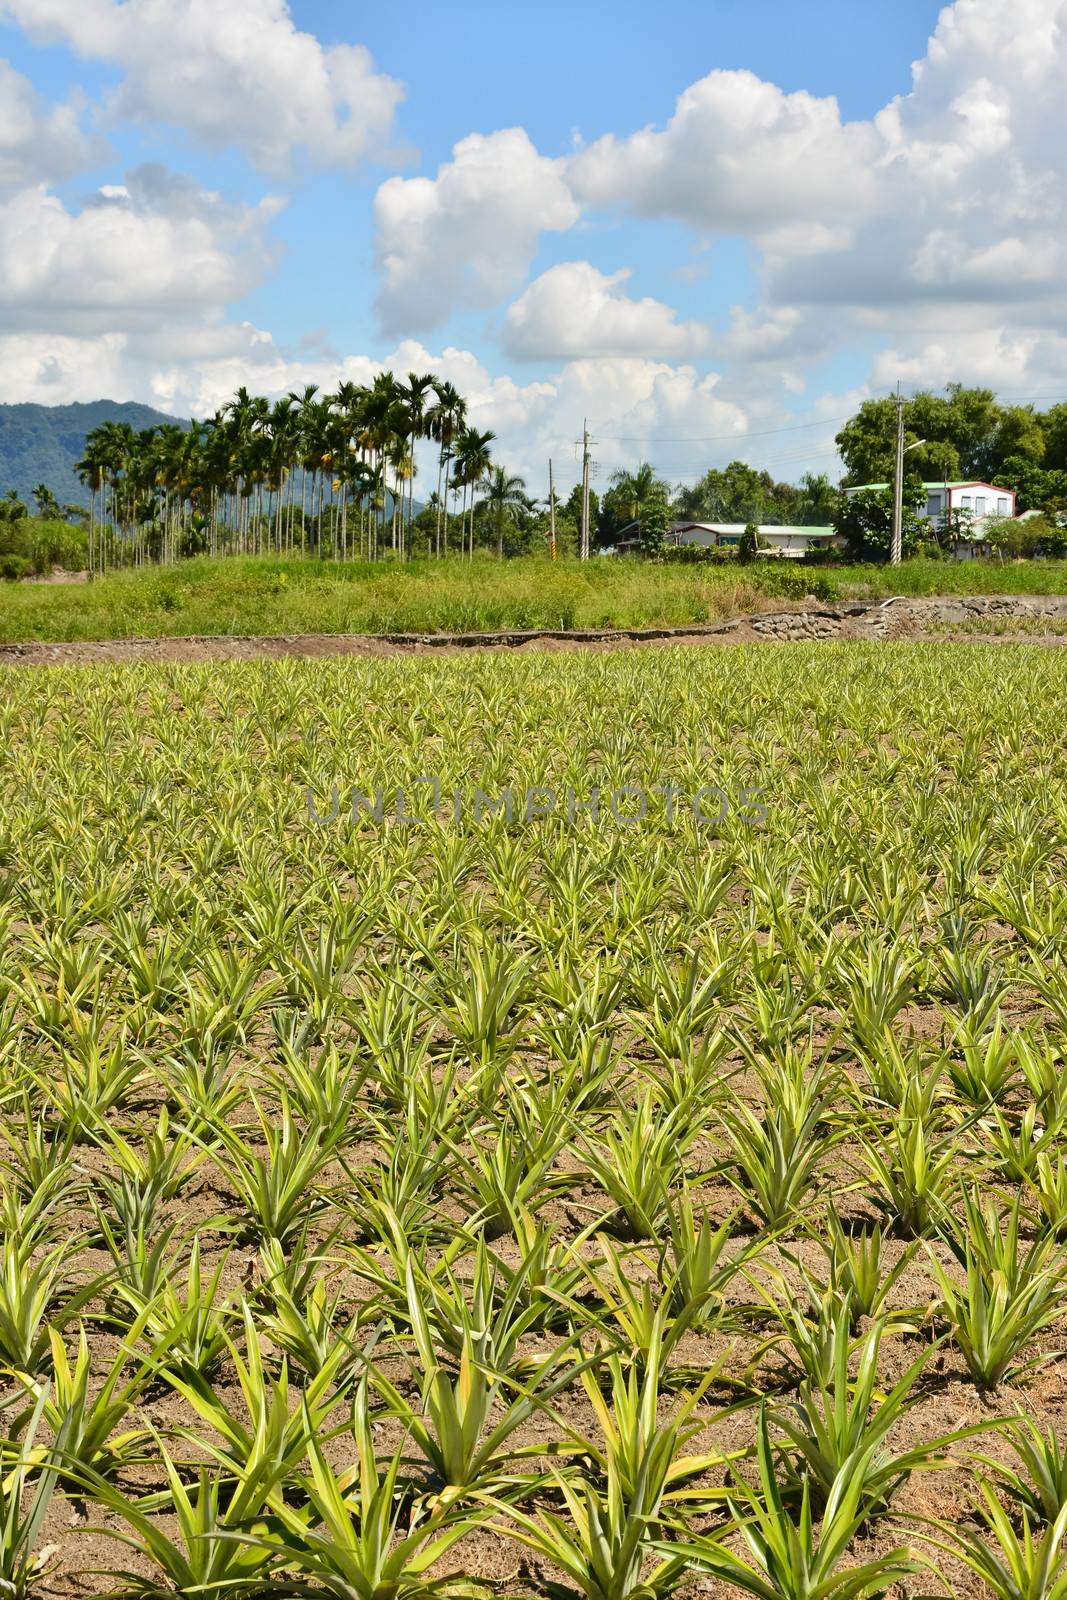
(944, 617)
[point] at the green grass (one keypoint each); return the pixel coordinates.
(267, 596)
(1008, 627)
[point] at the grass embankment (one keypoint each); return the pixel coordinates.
(263, 596)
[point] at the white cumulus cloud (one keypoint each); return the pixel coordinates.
(738, 155)
(154, 247)
(466, 237)
(38, 143)
(575, 310)
(229, 72)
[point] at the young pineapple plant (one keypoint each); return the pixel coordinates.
(787, 1559)
(637, 1160)
(841, 1421)
(423, 1187)
(1012, 1557)
(857, 1271)
(1008, 1298)
(1038, 1483)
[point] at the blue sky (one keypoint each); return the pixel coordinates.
(711, 227)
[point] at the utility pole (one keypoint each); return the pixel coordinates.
(898, 486)
(584, 552)
(551, 512)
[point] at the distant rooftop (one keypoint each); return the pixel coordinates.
(937, 483)
(764, 527)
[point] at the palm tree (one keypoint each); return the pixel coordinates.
(48, 507)
(637, 490)
(303, 403)
(12, 509)
(444, 420)
(119, 455)
(472, 465)
(413, 396)
(504, 496)
(90, 470)
(155, 495)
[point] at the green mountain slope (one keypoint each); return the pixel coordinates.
(40, 444)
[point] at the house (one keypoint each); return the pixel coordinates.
(775, 539)
(984, 501)
(1058, 517)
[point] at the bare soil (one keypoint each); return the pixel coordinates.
(820, 623)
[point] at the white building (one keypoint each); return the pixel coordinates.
(984, 501)
(775, 539)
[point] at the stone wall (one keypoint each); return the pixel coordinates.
(908, 615)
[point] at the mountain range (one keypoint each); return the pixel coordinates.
(40, 444)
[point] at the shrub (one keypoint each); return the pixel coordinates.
(748, 547)
(793, 581)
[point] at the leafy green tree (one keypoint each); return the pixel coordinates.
(630, 499)
(569, 517)
(568, 533)
(1037, 536)
(1036, 488)
(655, 520)
(967, 433)
(865, 522)
(819, 500)
(957, 525)
(748, 544)
(1055, 426)
(572, 507)
(740, 493)
(1018, 432)
(867, 442)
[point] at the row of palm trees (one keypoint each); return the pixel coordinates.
(313, 473)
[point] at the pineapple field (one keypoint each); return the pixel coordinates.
(582, 1125)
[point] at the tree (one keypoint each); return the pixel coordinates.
(1036, 488)
(957, 525)
(819, 501)
(865, 522)
(748, 544)
(867, 442)
(967, 433)
(414, 395)
(1018, 432)
(1037, 536)
(636, 490)
(655, 520)
(631, 498)
(444, 419)
(48, 507)
(505, 499)
(12, 509)
(1055, 426)
(739, 493)
(570, 511)
(473, 461)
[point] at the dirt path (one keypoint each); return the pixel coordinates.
(942, 618)
(207, 647)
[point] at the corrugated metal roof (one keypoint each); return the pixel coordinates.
(780, 528)
(938, 483)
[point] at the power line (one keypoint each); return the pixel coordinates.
(721, 438)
